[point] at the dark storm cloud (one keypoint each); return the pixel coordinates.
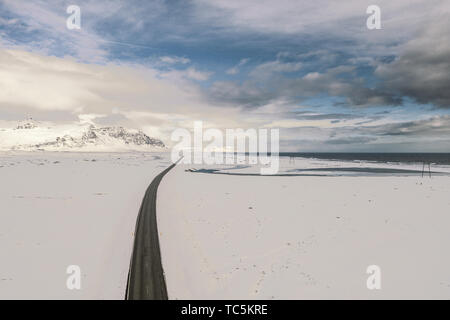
(340, 81)
(422, 71)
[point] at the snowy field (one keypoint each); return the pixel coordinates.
(61, 209)
(224, 236)
(303, 237)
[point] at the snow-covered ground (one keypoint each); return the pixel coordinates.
(61, 209)
(223, 236)
(301, 237)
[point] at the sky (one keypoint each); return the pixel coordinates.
(312, 69)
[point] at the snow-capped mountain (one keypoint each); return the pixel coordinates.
(30, 135)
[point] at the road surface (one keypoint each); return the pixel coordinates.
(146, 276)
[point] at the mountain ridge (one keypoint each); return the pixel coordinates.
(29, 136)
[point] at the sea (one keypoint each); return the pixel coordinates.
(384, 157)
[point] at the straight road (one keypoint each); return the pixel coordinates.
(146, 275)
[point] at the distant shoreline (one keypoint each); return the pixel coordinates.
(383, 157)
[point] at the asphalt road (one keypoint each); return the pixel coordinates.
(146, 275)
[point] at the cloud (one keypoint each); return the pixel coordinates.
(267, 69)
(174, 60)
(426, 135)
(159, 65)
(350, 140)
(236, 69)
(42, 28)
(434, 126)
(88, 118)
(33, 84)
(268, 84)
(422, 70)
(145, 98)
(323, 116)
(345, 19)
(179, 76)
(432, 129)
(194, 74)
(331, 33)
(403, 60)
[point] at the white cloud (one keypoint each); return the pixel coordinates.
(89, 118)
(7, 22)
(49, 19)
(194, 74)
(174, 60)
(235, 69)
(33, 84)
(401, 19)
(266, 69)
